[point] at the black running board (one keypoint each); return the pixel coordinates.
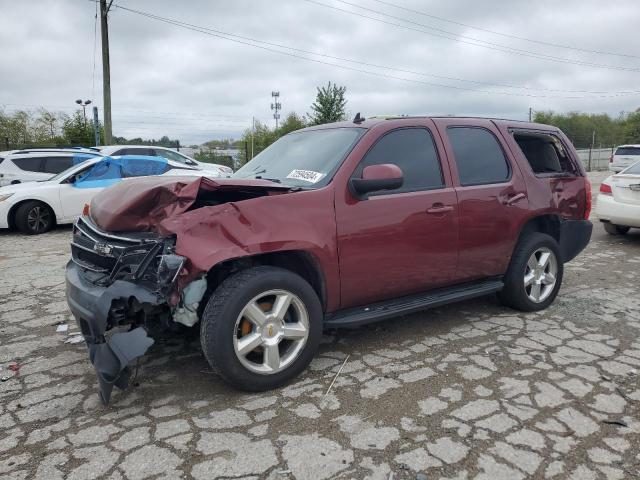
(356, 316)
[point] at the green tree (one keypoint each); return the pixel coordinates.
(329, 105)
(632, 128)
(77, 131)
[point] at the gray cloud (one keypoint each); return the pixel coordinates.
(169, 80)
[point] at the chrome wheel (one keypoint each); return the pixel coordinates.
(38, 218)
(540, 274)
(271, 331)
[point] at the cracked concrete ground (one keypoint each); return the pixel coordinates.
(472, 390)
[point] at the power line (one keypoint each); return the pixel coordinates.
(397, 69)
(502, 34)
(227, 36)
(467, 40)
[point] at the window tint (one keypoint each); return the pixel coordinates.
(1, 159)
(57, 164)
(411, 149)
(135, 151)
(478, 155)
(30, 164)
(544, 153)
(628, 151)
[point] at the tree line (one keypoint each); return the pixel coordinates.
(43, 128)
(601, 130)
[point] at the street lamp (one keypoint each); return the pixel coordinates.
(84, 109)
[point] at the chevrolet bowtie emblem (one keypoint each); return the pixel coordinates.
(270, 330)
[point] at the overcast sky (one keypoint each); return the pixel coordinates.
(168, 80)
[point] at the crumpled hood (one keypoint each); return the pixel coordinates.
(141, 204)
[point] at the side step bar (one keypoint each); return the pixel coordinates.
(356, 316)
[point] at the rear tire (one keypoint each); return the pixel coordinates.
(612, 229)
(34, 218)
(252, 343)
(534, 275)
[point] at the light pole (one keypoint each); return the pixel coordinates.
(84, 109)
(276, 106)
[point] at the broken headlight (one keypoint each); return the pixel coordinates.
(169, 267)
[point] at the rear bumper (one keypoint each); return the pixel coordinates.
(574, 237)
(97, 308)
(618, 213)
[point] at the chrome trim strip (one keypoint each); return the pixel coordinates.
(107, 235)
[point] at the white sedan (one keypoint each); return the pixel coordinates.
(36, 207)
(618, 205)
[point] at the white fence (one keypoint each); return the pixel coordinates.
(599, 158)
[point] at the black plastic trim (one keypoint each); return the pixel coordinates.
(357, 316)
(574, 237)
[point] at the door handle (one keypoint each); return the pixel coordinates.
(513, 198)
(440, 208)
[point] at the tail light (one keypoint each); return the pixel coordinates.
(611, 159)
(605, 189)
(588, 201)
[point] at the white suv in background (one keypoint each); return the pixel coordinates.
(169, 154)
(623, 157)
(36, 164)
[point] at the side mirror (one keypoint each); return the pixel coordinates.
(386, 176)
(191, 162)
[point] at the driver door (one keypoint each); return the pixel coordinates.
(403, 241)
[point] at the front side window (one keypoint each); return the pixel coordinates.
(307, 158)
(135, 151)
(57, 164)
(544, 152)
(414, 151)
(478, 155)
(29, 164)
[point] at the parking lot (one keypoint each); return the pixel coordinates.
(472, 390)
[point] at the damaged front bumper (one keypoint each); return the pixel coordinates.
(114, 282)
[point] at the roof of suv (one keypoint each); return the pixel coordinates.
(71, 150)
(375, 120)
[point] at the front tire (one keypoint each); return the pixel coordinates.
(612, 229)
(34, 218)
(534, 275)
(261, 328)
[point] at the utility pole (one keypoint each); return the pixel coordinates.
(96, 126)
(106, 72)
(253, 131)
(276, 106)
(530, 114)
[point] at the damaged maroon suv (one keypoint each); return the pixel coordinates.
(331, 226)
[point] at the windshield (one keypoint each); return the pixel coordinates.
(628, 151)
(632, 170)
(303, 159)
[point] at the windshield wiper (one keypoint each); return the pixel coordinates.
(255, 173)
(275, 180)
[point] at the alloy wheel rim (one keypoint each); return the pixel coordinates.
(271, 331)
(38, 218)
(540, 275)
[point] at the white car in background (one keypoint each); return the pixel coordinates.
(35, 207)
(169, 154)
(35, 164)
(618, 204)
(623, 157)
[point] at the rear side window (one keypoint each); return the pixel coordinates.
(414, 151)
(135, 151)
(478, 155)
(29, 164)
(544, 152)
(57, 164)
(628, 151)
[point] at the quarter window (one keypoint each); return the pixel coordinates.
(414, 151)
(478, 155)
(544, 152)
(29, 164)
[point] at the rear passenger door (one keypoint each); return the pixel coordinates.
(397, 242)
(30, 169)
(491, 196)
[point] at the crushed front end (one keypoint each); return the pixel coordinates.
(116, 284)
